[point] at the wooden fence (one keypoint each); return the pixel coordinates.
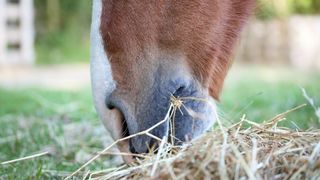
(16, 32)
(294, 41)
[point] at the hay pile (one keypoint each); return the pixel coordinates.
(263, 151)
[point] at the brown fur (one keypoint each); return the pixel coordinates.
(203, 31)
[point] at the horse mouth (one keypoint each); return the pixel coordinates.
(124, 144)
(125, 130)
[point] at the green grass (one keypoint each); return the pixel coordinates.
(260, 95)
(36, 120)
(33, 121)
(262, 104)
(42, 103)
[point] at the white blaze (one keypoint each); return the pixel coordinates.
(101, 74)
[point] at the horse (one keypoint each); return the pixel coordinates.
(145, 52)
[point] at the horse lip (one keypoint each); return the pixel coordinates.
(115, 123)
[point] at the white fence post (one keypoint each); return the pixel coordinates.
(3, 41)
(27, 16)
(16, 32)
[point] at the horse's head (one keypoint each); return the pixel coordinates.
(144, 52)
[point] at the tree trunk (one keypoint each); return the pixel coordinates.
(53, 15)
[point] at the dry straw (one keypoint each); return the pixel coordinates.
(262, 151)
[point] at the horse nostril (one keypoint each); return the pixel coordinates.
(110, 106)
(179, 91)
(110, 103)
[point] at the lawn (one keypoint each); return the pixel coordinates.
(64, 123)
(261, 93)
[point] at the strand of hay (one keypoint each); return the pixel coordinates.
(26, 158)
(262, 151)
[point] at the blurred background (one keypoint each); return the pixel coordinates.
(45, 96)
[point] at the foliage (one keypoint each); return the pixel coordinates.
(268, 9)
(63, 28)
(305, 6)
